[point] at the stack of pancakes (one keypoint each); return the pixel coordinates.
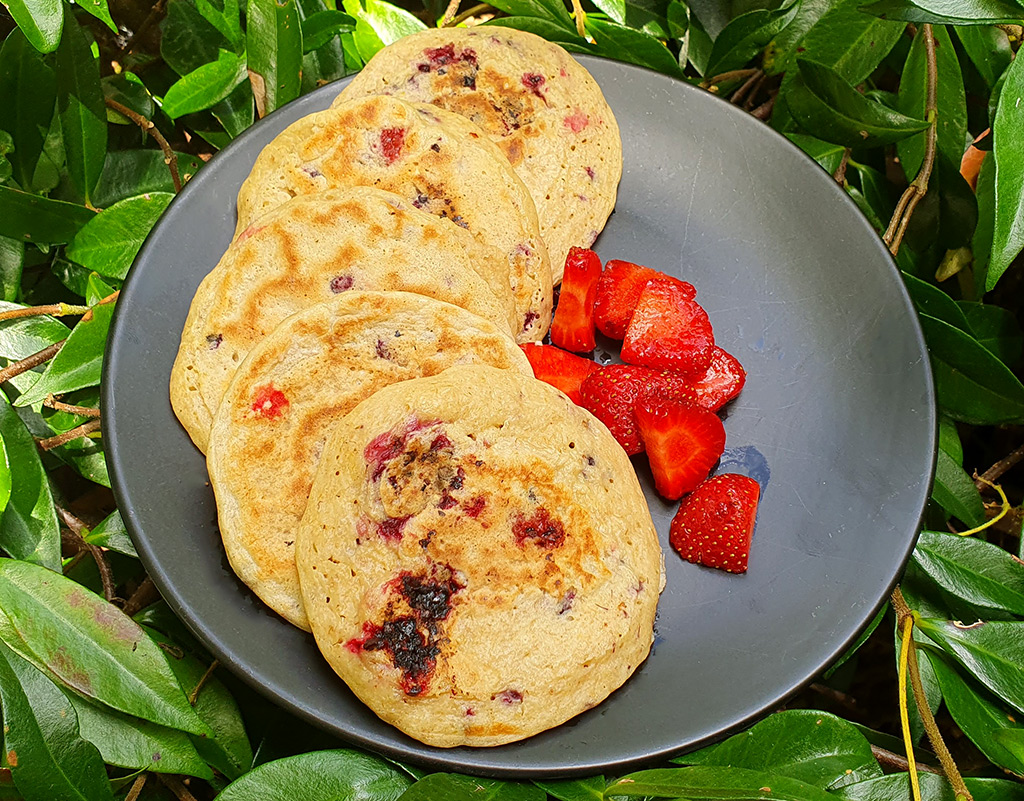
(471, 550)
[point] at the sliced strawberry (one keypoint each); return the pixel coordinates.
(573, 326)
(559, 368)
(714, 525)
(721, 383)
(683, 442)
(618, 291)
(669, 331)
(610, 393)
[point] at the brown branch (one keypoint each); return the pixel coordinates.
(764, 111)
(752, 97)
(747, 87)
(85, 411)
(144, 595)
(475, 11)
(136, 791)
(176, 787)
(842, 699)
(158, 9)
(732, 75)
(74, 539)
(170, 159)
(194, 695)
(108, 299)
(918, 188)
(839, 176)
(996, 471)
(449, 12)
(898, 762)
(83, 430)
(55, 309)
(26, 364)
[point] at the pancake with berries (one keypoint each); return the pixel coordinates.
(541, 107)
(308, 373)
(476, 559)
(309, 250)
(438, 161)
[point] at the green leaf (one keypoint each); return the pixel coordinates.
(320, 776)
(110, 241)
(552, 10)
(21, 337)
(12, 262)
(931, 300)
(96, 290)
(745, 36)
(714, 783)
(992, 652)
(618, 41)
(127, 173)
(274, 45)
(948, 12)
(379, 24)
(83, 114)
(205, 86)
(92, 646)
(319, 28)
(325, 63)
(978, 718)
(827, 154)
(40, 20)
(79, 363)
(988, 48)
(955, 492)
(589, 789)
(226, 19)
(827, 107)
(981, 242)
(98, 8)
(781, 50)
(129, 91)
(5, 477)
(235, 112)
(1008, 153)
(188, 40)
(48, 758)
(949, 439)
(133, 743)
(813, 747)
(28, 527)
(996, 328)
(982, 574)
(861, 639)
(453, 787)
(995, 789)
(29, 89)
(551, 31)
(972, 385)
(896, 787)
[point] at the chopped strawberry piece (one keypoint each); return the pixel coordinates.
(721, 383)
(714, 525)
(573, 326)
(683, 442)
(669, 331)
(610, 393)
(618, 292)
(559, 368)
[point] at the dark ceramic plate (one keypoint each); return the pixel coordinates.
(837, 422)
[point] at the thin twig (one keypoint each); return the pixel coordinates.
(158, 8)
(764, 111)
(748, 105)
(75, 527)
(176, 787)
(449, 12)
(170, 159)
(55, 309)
(995, 472)
(732, 75)
(839, 176)
(63, 439)
(898, 762)
(475, 11)
(144, 595)
(194, 695)
(919, 186)
(26, 364)
(108, 299)
(85, 411)
(847, 702)
(137, 786)
(739, 95)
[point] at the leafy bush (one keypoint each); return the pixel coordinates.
(105, 695)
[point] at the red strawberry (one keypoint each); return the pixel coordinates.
(559, 368)
(721, 383)
(669, 331)
(573, 326)
(618, 292)
(609, 393)
(683, 442)
(714, 525)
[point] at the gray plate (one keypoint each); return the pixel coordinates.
(837, 422)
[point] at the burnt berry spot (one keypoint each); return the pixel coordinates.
(439, 56)
(509, 697)
(446, 502)
(435, 147)
(214, 340)
(591, 461)
(540, 528)
(421, 201)
(457, 219)
(430, 600)
(469, 81)
(390, 528)
(410, 651)
(341, 282)
(533, 81)
(383, 351)
(475, 506)
(458, 479)
(590, 173)
(529, 319)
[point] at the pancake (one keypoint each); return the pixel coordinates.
(438, 161)
(305, 252)
(476, 559)
(542, 108)
(308, 373)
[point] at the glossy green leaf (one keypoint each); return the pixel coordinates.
(553, 11)
(49, 759)
(988, 48)
(110, 533)
(274, 45)
(83, 114)
(993, 653)
(955, 492)
(745, 36)
(188, 40)
(778, 56)
(949, 439)
(948, 12)
(1008, 153)
(319, 28)
(379, 24)
(995, 789)
(6, 148)
(236, 111)
(12, 263)
(980, 573)
(24, 336)
(79, 363)
(29, 89)
(205, 86)
(546, 29)
(99, 9)
(861, 639)
(981, 242)
(978, 717)
(92, 646)
(827, 154)
(96, 289)
(929, 299)
(128, 90)
(28, 526)
(40, 20)
(129, 742)
(224, 15)
(827, 107)
(972, 385)
(5, 477)
(896, 787)
(325, 63)
(110, 241)
(320, 776)
(632, 46)
(454, 787)
(708, 783)
(996, 328)
(813, 747)
(589, 789)
(127, 173)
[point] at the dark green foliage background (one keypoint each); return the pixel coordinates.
(96, 693)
